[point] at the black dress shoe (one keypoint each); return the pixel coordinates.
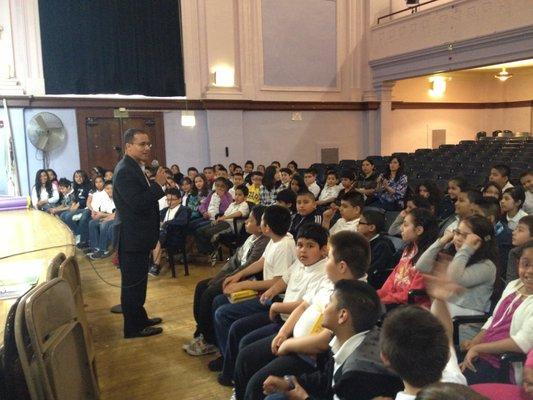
(153, 321)
(216, 364)
(145, 332)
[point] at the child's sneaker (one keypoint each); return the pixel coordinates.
(199, 347)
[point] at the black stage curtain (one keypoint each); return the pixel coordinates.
(112, 46)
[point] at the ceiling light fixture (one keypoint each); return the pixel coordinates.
(503, 75)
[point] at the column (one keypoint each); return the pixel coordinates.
(385, 124)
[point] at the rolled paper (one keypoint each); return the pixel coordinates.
(13, 203)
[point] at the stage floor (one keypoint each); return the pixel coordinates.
(156, 368)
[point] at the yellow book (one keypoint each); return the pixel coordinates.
(242, 295)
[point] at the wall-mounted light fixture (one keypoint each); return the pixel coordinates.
(437, 86)
(503, 75)
(188, 118)
(224, 76)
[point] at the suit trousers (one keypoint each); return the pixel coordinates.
(134, 267)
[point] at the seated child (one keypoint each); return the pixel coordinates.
(511, 203)
(447, 207)
(207, 289)
(310, 182)
(305, 212)
(526, 179)
(287, 199)
(174, 218)
(353, 369)
(500, 174)
(417, 346)
(521, 235)
(464, 207)
(419, 230)
(330, 191)
(382, 250)
(214, 204)
(294, 348)
(279, 255)
(352, 204)
(254, 188)
(303, 278)
(238, 179)
(429, 191)
(67, 193)
(298, 184)
(509, 329)
(413, 202)
(492, 190)
(186, 190)
(489, 208)
(474, 251)
(207, 235)
(285, 178)
(101, 225)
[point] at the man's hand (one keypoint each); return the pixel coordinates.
(161, 176)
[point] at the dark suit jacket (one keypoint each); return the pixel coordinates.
(137, 206)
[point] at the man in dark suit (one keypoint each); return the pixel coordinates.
(136, 201)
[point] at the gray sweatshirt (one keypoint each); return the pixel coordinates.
(477, 278)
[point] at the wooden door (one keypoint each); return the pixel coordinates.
(104, 142)
(100, 136)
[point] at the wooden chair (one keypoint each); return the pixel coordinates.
(70, 272)
(53, 268)
(58, 342)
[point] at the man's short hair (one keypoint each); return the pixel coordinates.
(108, 183)
(287, 196)
(238, 174)
(311, 171)
(208, 168)
(174, 192)
(249, 162)
(243, 189)
(503, 169)
(286, 170)
(362, 302)
(314, 232)
(192, 169)
(64, 182)
(526, 173)
(256, 173)
(416, 345)
(278, 219)
(376, 218)
(354, 198)
(353, 249)
(129, 135)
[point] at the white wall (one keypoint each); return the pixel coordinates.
(64, 160)
(412, 128)
(186, 146)
(274, 136)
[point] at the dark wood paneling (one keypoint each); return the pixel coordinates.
(400, 105)
(164, 104)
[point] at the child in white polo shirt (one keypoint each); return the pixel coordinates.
(351, 207)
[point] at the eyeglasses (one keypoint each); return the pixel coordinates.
(144, 144)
